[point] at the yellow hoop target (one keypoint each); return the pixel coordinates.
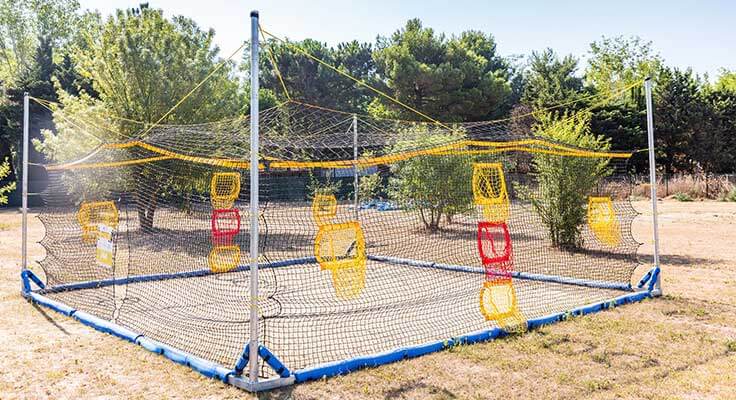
(324, 208)
(603, 222)
(224, 258)
(340, 248)
(489, 191)
(498, 303)
(224, 189)
(92, 214)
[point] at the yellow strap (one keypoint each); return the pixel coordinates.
(459, 148)
(276, 67)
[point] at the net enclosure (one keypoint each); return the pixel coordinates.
(345, 241)
(374, 235)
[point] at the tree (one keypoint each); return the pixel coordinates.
(726, 81)
(141, 64)
(309, 81)
(625, 124)
(714, 143)
(566, 182)
(550, 80)
(23, 23)
(33, 34)
(456, 79)
(680, 113)
(618, 62)
(432, 185)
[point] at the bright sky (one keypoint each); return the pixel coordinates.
(697, 34)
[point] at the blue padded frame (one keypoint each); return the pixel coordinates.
(514, 274)
(287, 377)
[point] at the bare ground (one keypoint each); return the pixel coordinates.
(681, 346)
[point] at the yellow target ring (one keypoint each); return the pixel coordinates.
(498, 303)
(489, 191)
(603, 222)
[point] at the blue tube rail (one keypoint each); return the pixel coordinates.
(343, 367)
(518, 275)
(214, 370)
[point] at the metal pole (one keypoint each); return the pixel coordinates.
(355, 165)
(254, 161)
(653, 176)
(24, 185)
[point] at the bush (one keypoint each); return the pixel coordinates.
(694, 185)
(683, 197)
(325, 187)
(370, 187)
(566, 182)
(730, 196)
(432, 185)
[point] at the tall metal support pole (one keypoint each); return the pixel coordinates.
(254, 188)
(653, 177)
(24, 184)
(355, 165)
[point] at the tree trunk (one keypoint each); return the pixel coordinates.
(146, 207)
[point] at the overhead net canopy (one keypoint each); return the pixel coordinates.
(451, 229)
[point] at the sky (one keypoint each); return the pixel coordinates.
(697, 34)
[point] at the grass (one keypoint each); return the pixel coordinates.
(679, 346)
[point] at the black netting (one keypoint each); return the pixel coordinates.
(457, 229)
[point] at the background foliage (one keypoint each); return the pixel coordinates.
(137, 63)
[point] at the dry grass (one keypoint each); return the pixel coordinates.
(694, 186)
(682, 346)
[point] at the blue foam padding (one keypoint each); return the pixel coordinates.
(514, 274)
(105, 326)
(175, 275)
(242, 361)
(273, 362)
(342, 367)
(52, 304)
(206, 368)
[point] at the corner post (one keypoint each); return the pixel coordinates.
(24, 184)
(254, 192)
(653, 179)
(355, 165)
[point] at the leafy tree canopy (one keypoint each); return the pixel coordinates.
(550, 80)
(456, 79)
(618, 62)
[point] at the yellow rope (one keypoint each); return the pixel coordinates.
(457, 148)
(272, 58)
(109, 164)
(41, 103)
(356, 80)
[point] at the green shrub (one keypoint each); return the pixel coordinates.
(683, 197)
(327, 186)
(432, 185)
(731, 195)
(566, 182)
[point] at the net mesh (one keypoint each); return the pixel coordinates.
(451, 222)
